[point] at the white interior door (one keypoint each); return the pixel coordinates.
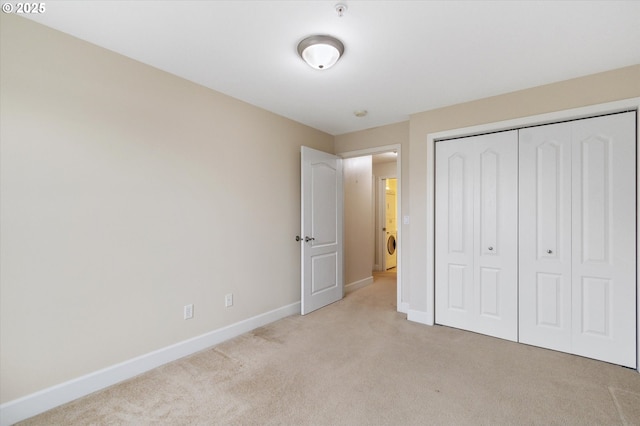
(604, 238)
(476, 234)
(321, 222)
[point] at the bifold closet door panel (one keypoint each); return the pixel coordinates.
(476, 234)
(545, 236)
(604, 238)
(454, 233)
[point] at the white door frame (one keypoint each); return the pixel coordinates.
(401, 305)
(631, 104)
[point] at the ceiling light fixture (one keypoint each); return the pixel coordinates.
(320, 51)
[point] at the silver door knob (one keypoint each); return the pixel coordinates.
(307, 239)
(490, 248)
(549, 251)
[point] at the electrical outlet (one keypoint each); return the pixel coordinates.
(228, 300)
(188, 311)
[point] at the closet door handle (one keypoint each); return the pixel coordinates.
(490, 248)
(549, 251)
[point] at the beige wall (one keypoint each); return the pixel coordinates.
(385, 169)
(358, 219)
(397, 133)
(126, 194)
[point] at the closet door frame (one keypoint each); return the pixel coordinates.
(632, 104)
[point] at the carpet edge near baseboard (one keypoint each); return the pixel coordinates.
(358, 284)
(30, 405)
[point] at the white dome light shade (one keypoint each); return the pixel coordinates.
(320, 52)
(321, 56)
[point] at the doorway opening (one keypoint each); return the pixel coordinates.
(388, 225)
(384, 256)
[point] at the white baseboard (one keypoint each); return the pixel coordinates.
(419, 316)
(46, 399)
(358, 284)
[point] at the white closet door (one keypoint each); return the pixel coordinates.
(545, 236)
(476, 234)
(454, 233)
(604, 238)
(578, 238)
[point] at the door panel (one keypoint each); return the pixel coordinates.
(594, 182)
(545, 236)
(489, 202)
(454, 235)
(596, 309)
(550, 310)
(496, 235)
(323, 203)
(459, 205)
(476, 234)
(458, 280)
(490, 292)
(549, 179)
(604, 238)
(321, 194)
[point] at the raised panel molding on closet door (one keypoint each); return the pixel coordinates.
(454, 234)
(545, 236)
(496, 235)
(476, 234)
(604, 238)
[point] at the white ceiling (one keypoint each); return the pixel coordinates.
(401, 57)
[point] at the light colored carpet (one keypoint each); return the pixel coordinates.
(359, 362)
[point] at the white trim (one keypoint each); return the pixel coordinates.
(403, 307)
(570, 114)
(380, 150)
(540, 119)
(46, 399)
(370, 151)
(637, 101)
(377, 233)
(358, 284)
